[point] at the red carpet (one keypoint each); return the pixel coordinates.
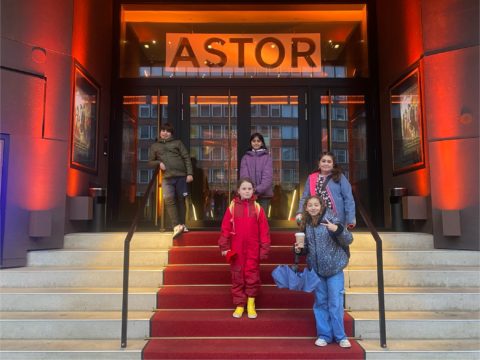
(194, 321)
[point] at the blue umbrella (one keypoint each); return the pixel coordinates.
(287, 277)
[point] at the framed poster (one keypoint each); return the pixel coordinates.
(86, 98)
(407, 123)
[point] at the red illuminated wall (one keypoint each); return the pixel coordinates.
(91, 48)
(441, 37)
(38, 48)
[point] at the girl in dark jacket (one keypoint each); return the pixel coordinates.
(257, 165)
(326, 239)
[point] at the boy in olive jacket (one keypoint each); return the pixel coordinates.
(174, 160)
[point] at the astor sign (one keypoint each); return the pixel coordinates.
(275, 52)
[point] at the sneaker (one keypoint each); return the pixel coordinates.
(177, 231)
(185, 228)
(345, 343)
(321, 342)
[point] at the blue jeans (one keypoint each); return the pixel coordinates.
(328, 308)
(174, 193)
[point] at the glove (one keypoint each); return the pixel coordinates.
(230, 256)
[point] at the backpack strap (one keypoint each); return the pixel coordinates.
(256, 204)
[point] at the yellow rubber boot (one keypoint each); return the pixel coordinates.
(252, 314)
(238, 312)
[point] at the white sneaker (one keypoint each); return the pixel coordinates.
(345, 343)
(177, 231)
(321, 342)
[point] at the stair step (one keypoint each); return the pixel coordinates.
(220, 297)
(58, 276)
(247, 348)
(422, 349)
(72, 325)
(414, 298)
(75, 299)
(419, 324)
(355, 276)
(284, 255)
(218, 322)
(52, 349)
(116, 241)
(148, 257)
(362, 240)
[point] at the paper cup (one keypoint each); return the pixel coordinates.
(300, 239)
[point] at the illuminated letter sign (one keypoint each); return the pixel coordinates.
(243, 53)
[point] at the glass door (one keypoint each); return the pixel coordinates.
(220, 123)
(341, 123)
(213, 149)
(140, 116)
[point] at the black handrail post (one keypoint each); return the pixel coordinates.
(126, 258)
(126, 265)
(381, 296)
(380, 280)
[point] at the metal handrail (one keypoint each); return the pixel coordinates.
(126, 256)
(380, 284)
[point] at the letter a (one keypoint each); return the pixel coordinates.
(185, 44)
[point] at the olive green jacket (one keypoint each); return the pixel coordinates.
(173, 154)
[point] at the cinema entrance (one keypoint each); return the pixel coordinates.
(299, 76)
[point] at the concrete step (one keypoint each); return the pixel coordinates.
(460, 349)
(419, 324)
(414, 298)
(70, 349)
(393, 241)
(159, 240)
(58, 276)
(76, 299)
(414, 276)
(414, 257)
(73, 325)
(150, 257)
(116, 241)
(204, 254)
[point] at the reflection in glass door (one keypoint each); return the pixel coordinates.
(220, 127)
(344, 133)
(276, 118)
(141, 115)
(213, 149)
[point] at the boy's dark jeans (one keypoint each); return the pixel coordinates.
(174, 192)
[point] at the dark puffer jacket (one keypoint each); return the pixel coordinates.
(173, 154)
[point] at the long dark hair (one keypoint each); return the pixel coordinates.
(336, 171)
(260, 137)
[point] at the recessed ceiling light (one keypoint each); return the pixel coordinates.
(146, 46)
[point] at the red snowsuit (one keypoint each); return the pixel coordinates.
(247, 233)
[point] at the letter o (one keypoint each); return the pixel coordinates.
(258, 52)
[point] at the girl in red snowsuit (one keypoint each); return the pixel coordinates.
(245, 240)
